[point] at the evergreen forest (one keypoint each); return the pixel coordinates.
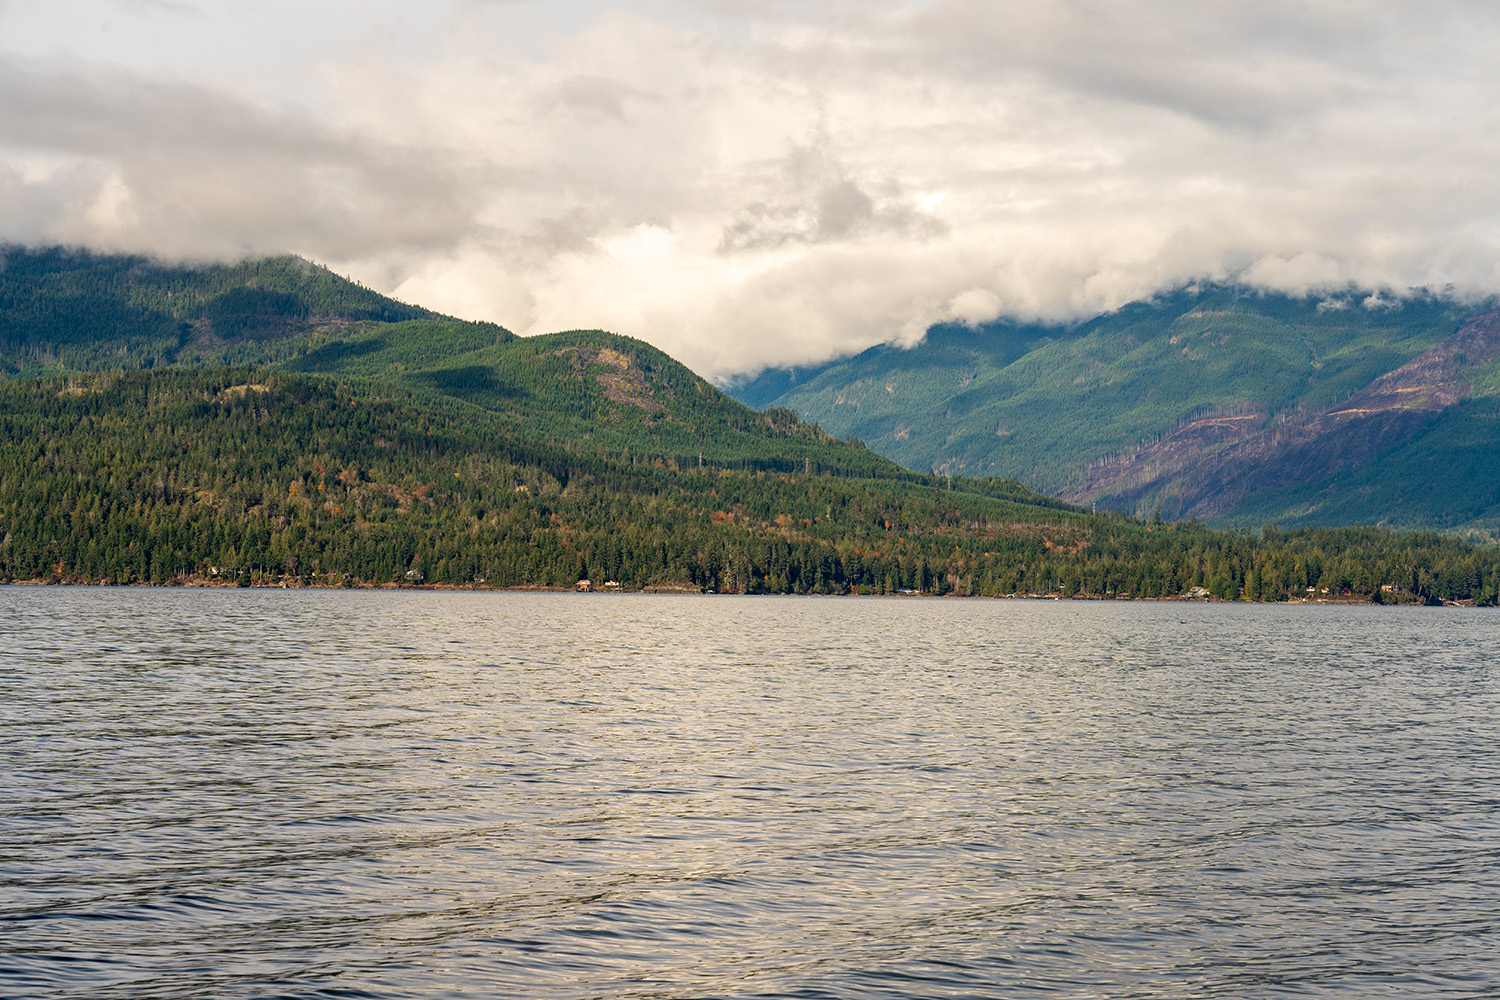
(293, 429)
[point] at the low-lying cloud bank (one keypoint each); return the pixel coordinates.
(775, 187)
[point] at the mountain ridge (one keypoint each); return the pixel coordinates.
(382, 446)
(1144, 408)
(1388, 411)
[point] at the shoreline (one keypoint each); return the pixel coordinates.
(211, 583)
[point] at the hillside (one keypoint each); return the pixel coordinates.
(67, 310)
(235, 472)
(1420, 443)
(261, 477)
(372, 443)
(1212, 402)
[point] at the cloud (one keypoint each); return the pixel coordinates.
(595, 95)
(749, 185)
(1304, 272)
(813, 200)
(975, 306)
(183, 170)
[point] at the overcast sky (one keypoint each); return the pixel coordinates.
(761, 183)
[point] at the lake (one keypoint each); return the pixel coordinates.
(253, 793)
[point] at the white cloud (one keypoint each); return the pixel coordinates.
(975, 306)
(758, 184)
(1304, 272)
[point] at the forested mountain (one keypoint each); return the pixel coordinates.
(71, 310)
(266, 477)
(1214, 402)
(373, 443)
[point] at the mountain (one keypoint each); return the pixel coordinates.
(65, 309)
(263, 477)
(1213, 402)
(273, 477)
(71, 311)
(269, 423)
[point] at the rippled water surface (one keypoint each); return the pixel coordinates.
(325, 794)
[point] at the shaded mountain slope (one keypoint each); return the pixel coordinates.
(72, 310)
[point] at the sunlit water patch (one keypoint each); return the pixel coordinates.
(329, 794)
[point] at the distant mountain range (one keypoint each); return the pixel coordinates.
(1216, 402)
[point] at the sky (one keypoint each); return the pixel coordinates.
(752, 184)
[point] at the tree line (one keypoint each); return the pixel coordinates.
(264, 477)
